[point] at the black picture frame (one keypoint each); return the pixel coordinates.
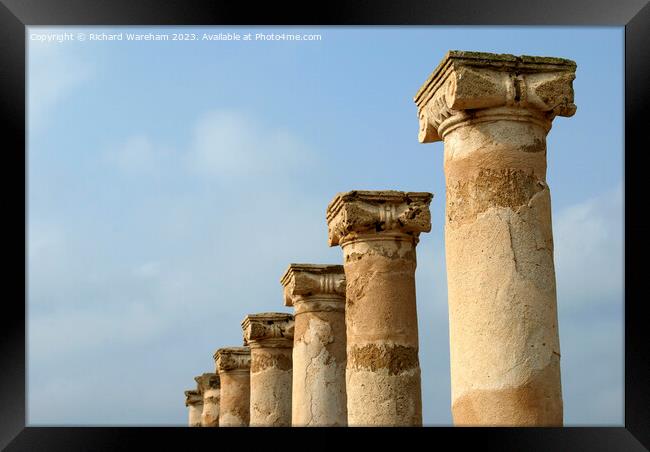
(634, 15)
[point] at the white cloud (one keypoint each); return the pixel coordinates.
(148, 269)
(592, 368)
(589, 251)
(52, 75)
(226, 147)
(229, 144)
(134, 155)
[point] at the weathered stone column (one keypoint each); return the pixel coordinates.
(493, 113)
(270, 337)
(317, 293)
(378, 232)
(209, 386)
(233, 365)
(194, 403)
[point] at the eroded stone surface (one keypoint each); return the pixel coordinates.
(302, 281)
(270, 336)
(233, 366)
(361, 211)
(317, 293)
(493, 113)
(395, 359)
(268, 329)
(378, 232)
(271, 387)
(465, 82)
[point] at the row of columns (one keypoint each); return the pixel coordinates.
(349, 355)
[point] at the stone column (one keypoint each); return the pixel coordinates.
(270, 337)
(233, 366)
(493, 113)
(194, 403)
(378, 232)
(317, 294)
(209, 386)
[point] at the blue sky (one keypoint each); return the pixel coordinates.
(171, 183)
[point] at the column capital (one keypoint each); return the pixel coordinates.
(193, 397)
(314, 287)
(357, 212)
(467, 81)
(268, 329)
(232, 359)
(208, 380)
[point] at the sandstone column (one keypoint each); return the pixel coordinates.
(378, 232)
(317, 293)
(194, 403)
(208, 384)
(270, 337)
(233, 365)
(493, 113)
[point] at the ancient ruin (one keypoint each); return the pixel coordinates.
(233, 366)
(350, 355)
(378, 232)
(317, 294)
(194, 404)
(209, 386)
(270, 337)
(493, 113)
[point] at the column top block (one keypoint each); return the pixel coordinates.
(475, 80)
(376, 211)
(193, 397)
(504, 62)
(306, 280)
(231, 351)
(232, 358)
(208, 380)
(268, 329)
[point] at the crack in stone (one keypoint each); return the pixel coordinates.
(512, 245)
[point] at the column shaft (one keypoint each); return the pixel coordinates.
(317, 293)
(505, 347)
(271, 387)
(233, 366)
(270, 336)
(383, 370)
(195, 410)
(235, 399)
(378, 232)
(210, 413)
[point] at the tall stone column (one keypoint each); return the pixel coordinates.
(209, 386)
(317, 294)
(194, 404)
(233, 366)
(270, 337)
(493, 113)
(378, 232)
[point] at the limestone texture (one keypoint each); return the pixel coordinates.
(378, 232)
(317, 294)
(270, 337)
(493, 113)
(233, 366)
(209, 386)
